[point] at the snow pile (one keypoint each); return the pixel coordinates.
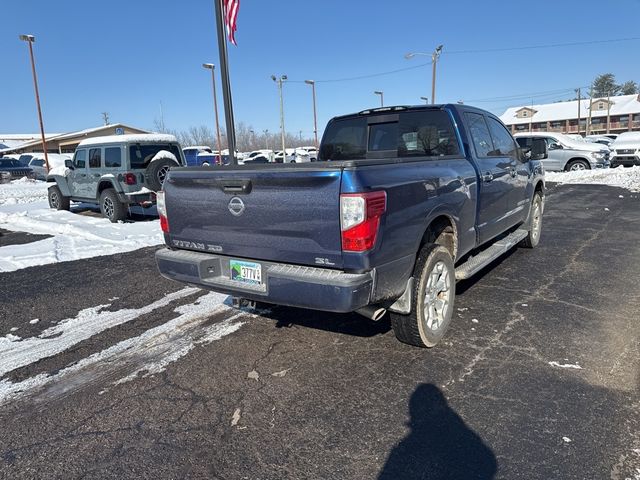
(628, 178)
(24, 208)
(22, 191)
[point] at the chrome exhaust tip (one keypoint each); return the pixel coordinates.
(372, 312)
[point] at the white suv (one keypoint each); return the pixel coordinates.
(567, 154)
(625, 150)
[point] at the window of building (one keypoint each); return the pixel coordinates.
(525, 113)
(600, 105)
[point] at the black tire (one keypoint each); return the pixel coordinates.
(535, 222)
(111, 206)
(57, 200)
(157, 172)
(434, 270)
(577, 165)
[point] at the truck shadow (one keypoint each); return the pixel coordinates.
(346, 324)
(440, 445)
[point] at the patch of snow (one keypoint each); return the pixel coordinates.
(13, 329)
(628, 178)
(474, 320)
(71, 331)
(565, 365)
(141, 191)
(566, 439)
(146, 354)
(10, 338)
(34, 321)
(24, 208)
(164, 154)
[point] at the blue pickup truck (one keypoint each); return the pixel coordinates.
(402, 202)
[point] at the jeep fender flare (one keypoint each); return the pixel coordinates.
(61, 181)
(108, 182)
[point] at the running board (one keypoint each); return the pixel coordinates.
(477, 263)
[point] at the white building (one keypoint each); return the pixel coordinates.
(613, 115)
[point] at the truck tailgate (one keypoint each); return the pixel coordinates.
(285, 215)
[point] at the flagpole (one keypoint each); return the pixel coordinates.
(226, 87)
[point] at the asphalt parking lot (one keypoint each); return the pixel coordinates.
(538, 377)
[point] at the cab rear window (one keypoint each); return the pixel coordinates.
(427, 133)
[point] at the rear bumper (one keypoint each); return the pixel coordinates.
(282, 284)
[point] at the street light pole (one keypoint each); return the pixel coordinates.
(212, 67)
(315, 118)
(579, 91)
(434, 60)
(378, 92)
(426, 99)
(30, 39)
(279, 82)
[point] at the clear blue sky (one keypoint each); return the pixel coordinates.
(127, 57)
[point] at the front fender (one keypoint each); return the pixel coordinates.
(61, 181)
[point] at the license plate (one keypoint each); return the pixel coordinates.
(246, 272)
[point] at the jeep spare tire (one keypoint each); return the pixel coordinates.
(158, 169)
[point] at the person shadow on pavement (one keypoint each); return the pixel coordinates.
(439, 446)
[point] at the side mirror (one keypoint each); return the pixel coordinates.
(539, 149)
(68, 164)
(555, 146)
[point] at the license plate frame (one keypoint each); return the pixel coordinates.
(249, 273)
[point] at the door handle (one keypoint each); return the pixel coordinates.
(487, 177)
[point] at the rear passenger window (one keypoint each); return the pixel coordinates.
(112, 157)
(479, 134)
(94, 158)
(503, 143)
(344, 140)
(80, 158)
(383, 136)
(428, 133)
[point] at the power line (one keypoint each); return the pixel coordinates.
(549, 45)
(458, 52)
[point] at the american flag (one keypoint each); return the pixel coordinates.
(231, 8)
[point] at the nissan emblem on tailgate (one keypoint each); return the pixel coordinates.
(236, 206)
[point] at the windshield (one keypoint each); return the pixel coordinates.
(9, 163)
(141, 154)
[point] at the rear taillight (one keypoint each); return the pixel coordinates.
(130, 178)
(162, 212)
(360, 218)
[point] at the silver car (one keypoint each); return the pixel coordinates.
(567, 154)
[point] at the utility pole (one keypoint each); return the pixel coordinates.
(588, 129)
(608, 111)
(578, 91)
(105, 117)
(30, 39)
(266, 138)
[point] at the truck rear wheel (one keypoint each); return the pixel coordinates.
(111, 206)
(432, 299)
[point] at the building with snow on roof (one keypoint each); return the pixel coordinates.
(597, 116)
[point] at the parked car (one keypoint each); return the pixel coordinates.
(601, 139)
(12, 169)
(293, 155)
(401, 203)
(25, 158)
(256, 155)
(626, 150)
(312, 151)
(39, 165)
(115, 172)
(566, 154)
(192, 155)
